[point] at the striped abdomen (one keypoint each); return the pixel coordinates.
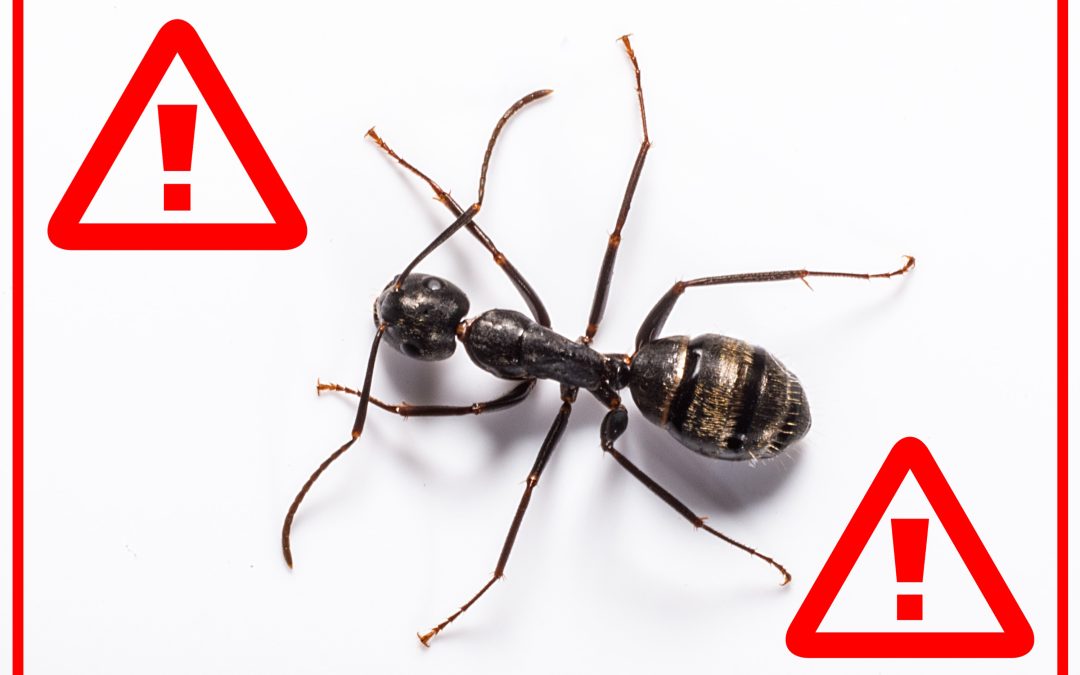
(719, 396)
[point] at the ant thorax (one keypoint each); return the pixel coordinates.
(510, 345)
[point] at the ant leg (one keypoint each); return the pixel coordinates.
(654, 321)
(553, 435)
(467, 216)
(607, 268)
(526, 291)
(516, 395)
(613, 426)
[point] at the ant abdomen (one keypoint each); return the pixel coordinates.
(719, 396)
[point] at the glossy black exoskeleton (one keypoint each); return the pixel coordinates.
(716, 395)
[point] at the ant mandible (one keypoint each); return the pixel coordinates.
(718, 396)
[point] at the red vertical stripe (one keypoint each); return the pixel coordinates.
(17, 598)
(1063, 335)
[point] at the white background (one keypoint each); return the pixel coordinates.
(170, 406)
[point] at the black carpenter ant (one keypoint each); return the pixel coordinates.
(716, 395)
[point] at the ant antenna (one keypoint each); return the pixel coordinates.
(466, 217)
(358, 426)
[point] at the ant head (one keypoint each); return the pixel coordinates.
(421, 316)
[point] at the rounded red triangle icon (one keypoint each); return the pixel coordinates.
(177, 39)
(909, 455)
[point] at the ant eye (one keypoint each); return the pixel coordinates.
(410, 350)
(433, 284)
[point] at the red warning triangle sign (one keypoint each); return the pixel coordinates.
(909, 455)
(177, 38)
